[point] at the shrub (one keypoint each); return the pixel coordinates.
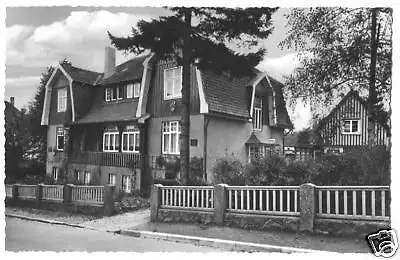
(196, 172)
(228, 171)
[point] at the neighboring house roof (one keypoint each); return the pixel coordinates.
(130, 70)
(82, 75)
(226, 96)
(114, 112)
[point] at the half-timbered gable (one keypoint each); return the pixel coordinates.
(347, 125)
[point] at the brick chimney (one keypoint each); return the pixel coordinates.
(12, 100)
(109, 61)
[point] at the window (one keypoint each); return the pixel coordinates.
(109, 94)
(111, 140)
(129, 91)
(60, 138)
(136, 90)
(54, 174)
(130, 139)
(256, 152)
(120, 92)
(77, 175)
(257, 113)
(111, 179)
(62, 100)
(87, 178)
(170, 137)
(172, 83)
(351, 127)
(126, 183)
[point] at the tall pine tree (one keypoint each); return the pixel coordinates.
(201, 36)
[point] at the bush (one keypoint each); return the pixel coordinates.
(196, 172)
(229, 171)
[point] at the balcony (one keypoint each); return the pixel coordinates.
(127, 160)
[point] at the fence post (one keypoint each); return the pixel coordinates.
(307, 207)
(219, 203)
(155, 201)
(67, 195)
(15, 191)
(39, 194)
(108, 200)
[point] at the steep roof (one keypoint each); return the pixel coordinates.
(82, 75)
(114, 112)
(224, 95)
(281, 111)
(128, 71)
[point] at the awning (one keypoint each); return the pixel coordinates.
(256, 138)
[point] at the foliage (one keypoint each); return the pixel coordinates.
(196, 172)
(204, 43)
(229, 171)
(362, 166)
(335, 55)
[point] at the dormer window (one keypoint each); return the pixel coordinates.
(257, 114)
(173, 83)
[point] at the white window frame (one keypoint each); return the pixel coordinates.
(126, 183)
(120, 95)
(176, 90)
(112, 178)
(261, 151)
(351, 132)
(167, 131)
(257, 115)
(62, 100)
(131, 131)
(78, 175)
(54, 173)
(59, 132)
(87, 177)
(136, 89)
(129, 90)
(108, 133)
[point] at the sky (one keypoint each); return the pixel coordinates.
(37, 37)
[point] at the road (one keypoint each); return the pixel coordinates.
(23, 235)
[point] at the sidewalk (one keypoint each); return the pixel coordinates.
(140, 221)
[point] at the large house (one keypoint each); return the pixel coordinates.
(110, 127)
(346, 126)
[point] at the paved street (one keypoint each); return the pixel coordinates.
(23, 235)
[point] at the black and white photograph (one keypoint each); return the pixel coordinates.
(201, 127)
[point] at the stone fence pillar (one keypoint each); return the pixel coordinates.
(155, 201)
(15, 191)
(307, 207)
(39, 194)
(219, 203)
(67, 195)
(109, 207)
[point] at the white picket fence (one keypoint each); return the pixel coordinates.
(187, 197)
(53, 192)
(274, 200)
(9, 189)
(88, 194)
(27, 191)
(354, 202)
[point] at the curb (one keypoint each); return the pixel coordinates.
(198, 241)
(218, 243)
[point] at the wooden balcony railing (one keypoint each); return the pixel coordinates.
(127, 160)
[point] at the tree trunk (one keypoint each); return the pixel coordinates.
(372, 74)
(185, 112)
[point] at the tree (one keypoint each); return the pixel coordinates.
(341, 49)
(201, 36)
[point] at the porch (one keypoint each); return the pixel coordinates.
(117, 159)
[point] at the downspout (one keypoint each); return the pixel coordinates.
(206, 122)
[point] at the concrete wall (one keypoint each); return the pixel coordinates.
(227, 138)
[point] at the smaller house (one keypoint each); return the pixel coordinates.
(346, 126)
